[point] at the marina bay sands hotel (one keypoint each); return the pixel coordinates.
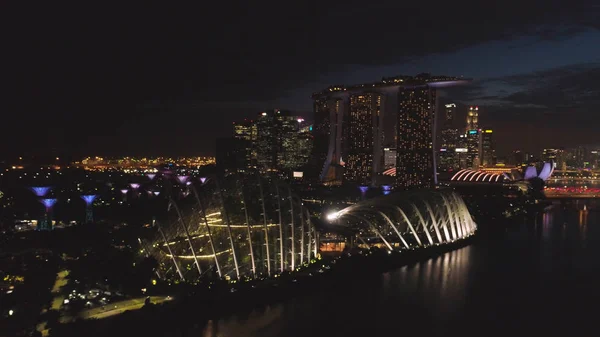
(350, 123)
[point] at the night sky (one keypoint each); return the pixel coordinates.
(143, 80)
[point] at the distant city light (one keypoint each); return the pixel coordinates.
(300, 120)
(124, 191)
(156, 192)
(134, 186)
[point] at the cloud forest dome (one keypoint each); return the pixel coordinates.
(408, 220)
(233, 228)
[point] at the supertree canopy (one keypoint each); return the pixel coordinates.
(49, 203)
(234, 228)
(89, 198)
(41, 191)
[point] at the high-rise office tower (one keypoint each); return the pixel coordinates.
(409, 102)
(414, 161)
(473, 140)
(448, 157)
(296, 144)
(364, 156)
(487, 148)
(472, 119)
(279, 144)
(246, 134)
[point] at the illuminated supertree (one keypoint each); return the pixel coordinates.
(386, 189)
(183, 180)
(363, 191)
(151, 175)
(203, 180)
(134, 189)
(124, 192)
(89, 203)
(41, 190)
(46, 223)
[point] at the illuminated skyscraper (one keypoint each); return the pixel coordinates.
(364, 156)
(246, 132)
(487, 148)
(414, 161)
(472, 119)
(350, 119)
(448, 157)
(473, 140)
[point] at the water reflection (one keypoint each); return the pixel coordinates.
(534, 277)
(435, 287)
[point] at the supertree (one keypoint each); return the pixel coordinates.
(363, 191)
(89, 203)
(151, 175)
(134, 188)
(124, 192)
(386, 189)
(41, 191)
(46, 223)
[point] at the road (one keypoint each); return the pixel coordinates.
(120, 307)
(57, 301)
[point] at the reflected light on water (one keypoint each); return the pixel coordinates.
(252, 325)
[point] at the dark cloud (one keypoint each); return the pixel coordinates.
(87, 71)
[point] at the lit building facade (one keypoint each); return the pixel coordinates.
(414, 160)
(408, 102)
(487, 148)
(449, 137)
(473, 139)
(246, 132)
(364, 137)
(472, 118)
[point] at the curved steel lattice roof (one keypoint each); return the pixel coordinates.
(465, 175)
(233, 228)
(408, 220)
